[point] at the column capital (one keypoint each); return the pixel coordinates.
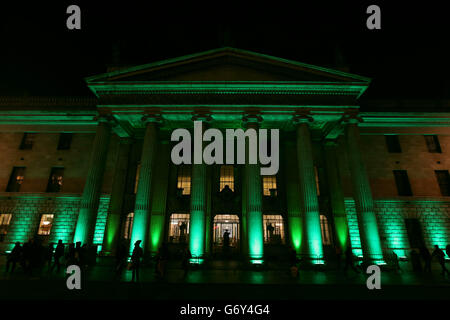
(151, 118)
(251, 119)
(204, 117)
(330, 143)
(107, 118)
(351, 118)
(302, 118)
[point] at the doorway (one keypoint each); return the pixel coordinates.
(226, 226)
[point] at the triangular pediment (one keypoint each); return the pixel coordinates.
(227, 64)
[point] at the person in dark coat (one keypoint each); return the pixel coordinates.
(59, 252)
(426, 257)
(14, 257)
(136, 260)
(440, 256)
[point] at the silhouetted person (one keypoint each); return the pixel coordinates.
(185, 260)
(270, 230)
(338, 256)
(226, 239)
(440, 256)
(78, 253)
(71, 255)
(162, 257)
(59, 252)
(183, 227)
(415, 261)
(14, 257)
(426, 257)
(121, 258)
(349, 261)
(49, 255)
(136, 260)
(396, 262)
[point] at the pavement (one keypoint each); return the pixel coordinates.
(223, 280)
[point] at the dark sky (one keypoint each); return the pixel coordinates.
(408, 58)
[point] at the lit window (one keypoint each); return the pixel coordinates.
(45, 226)
(273, 229)
(5, 220)
(179, 227)
(325, 228)
(65, 140)
(128, 226)
(184, 179)
(269, 185)
(136, 181)
(16, 179)
(226, 177)
(55, 181)
(27, 141)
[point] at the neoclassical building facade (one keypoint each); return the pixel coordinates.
(98, 169)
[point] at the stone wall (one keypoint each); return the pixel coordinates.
(433, 215)
(26, 210)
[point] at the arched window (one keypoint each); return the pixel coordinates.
(325, 228)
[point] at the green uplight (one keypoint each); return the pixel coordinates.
(295, 231)
(256, 261)
(255, 235)
(196, 261)
(156, 231)
(196, 233)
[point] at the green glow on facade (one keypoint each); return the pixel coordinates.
(255, 235)
(295, 231)
(156, 232)
(341, 231)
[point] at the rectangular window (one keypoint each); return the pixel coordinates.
(5, 220)
(393, 144)
(27, 141)
(55, 181)
(45, 226)
(227, 177)
(65, 140)
(16, 179)
(179, 228)
(443, 178)
(270, 186)
(273, 229)
(433, 144)
(414, 232)
(325, 229)
(184, 180)
(402, 182)
(316, 173)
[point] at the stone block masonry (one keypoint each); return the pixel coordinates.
(433, 215)
(27, 209)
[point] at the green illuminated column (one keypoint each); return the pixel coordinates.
(312, 234)
(208, 220)
(141, 218)
(336, 194)
(159, 197)
(112, 229)
(293, 201)
(243, 222)
(253, 195)
(84, 230)
(368, 229)
(198, 201)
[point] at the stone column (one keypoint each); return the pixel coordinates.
(312, 234)
(293, 200)
(198, 199)
(141, 219)
(253, 198)
(112, 229)
(85, 227)
(336, 194)
(367, 222)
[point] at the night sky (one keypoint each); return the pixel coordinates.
(409, 58)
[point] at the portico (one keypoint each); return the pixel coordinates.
(229, 88)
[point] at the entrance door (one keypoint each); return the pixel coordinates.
(226, 224)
